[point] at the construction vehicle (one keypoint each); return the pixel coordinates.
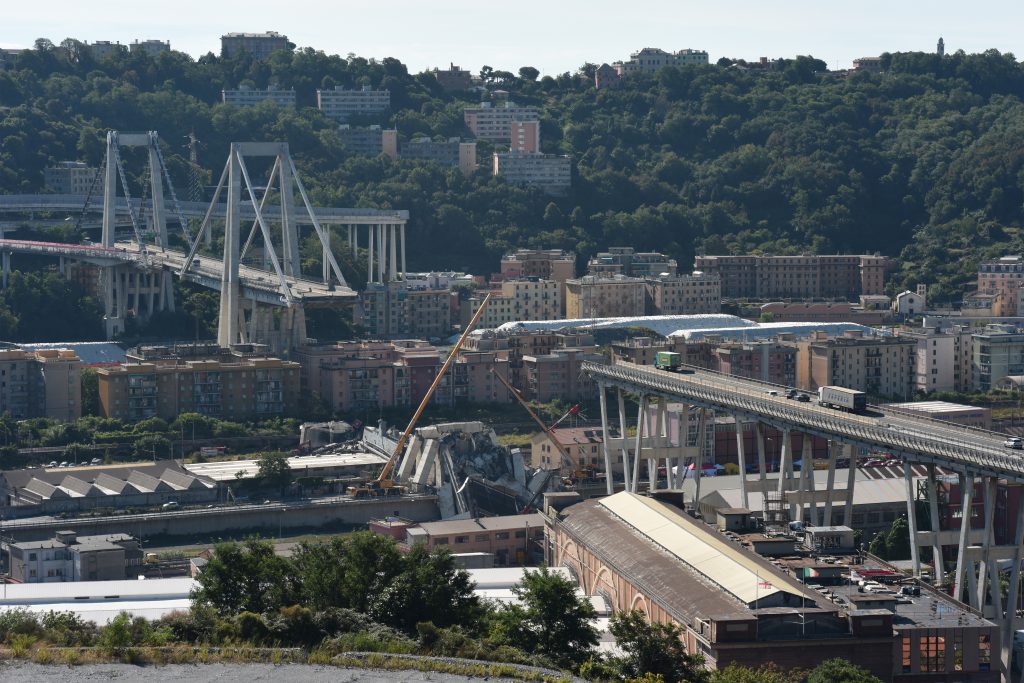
(383, 485)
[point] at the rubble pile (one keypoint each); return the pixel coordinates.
(471, 472)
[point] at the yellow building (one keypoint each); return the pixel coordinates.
(604, 297)
(41, 383)
(526, 299)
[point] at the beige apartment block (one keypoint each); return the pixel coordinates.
(557, 375)
(627, 261)
(604, 297)
(525, 137)
(552, 173)
(69, 177)
(1001, 279)
(512, 539)
(493, 122)
(881, 366)
(650, 59)
(545, 264)
(42, 383)
(684, 295)
(341, 104)
(798, 277)
(527, 299)
(233, 386)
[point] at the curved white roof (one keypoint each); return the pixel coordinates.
(690, 326)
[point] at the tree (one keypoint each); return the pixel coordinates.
(274, 470)
(551, 621)
(429, 588)
(528, 73)
(153, 446)
(90, 392)
(840, 671)
(656, 649)
(245, 576)
(765, 674)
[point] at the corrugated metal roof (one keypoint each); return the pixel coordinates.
(90, 353)
(734, 570)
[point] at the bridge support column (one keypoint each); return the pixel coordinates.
(1010, 619)
(608, 474)
(915, 553)
(370, 239)
(807, 478)
(228, 328)
(966, 502)
(786, 469)
(626, 465)
(656, 447)
(393, 256)
(938, 570)
(741, 457)
(761, 459)
(639, 441)
(401, 229)
(987, 574)
(830, 484)
(851, 482)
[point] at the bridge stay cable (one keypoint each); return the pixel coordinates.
(170, 188)
(268, 244)
(143, 250)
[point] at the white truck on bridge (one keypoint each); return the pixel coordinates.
(850, 400)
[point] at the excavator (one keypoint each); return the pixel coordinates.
(384, 485)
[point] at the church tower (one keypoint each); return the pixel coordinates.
(941, 49)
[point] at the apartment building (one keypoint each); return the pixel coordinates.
(767, 361)
(943, 358)
(240, 383)
(370, 375)
(342, 104)
(42, 383)
(150, 47)
(1001, 279)
(259, 45)
(650, 59)
(450, 152)
(525, 137)
(453, 78)
(606, 76)
(69, 557)
(250, 97)
(552, 173)
(493, 121)
(882, 366)
(546, 264)
(797, 277)
(368, 142)
(684, 295)
(101, 49)
(70, 177)
(997, 352)
(396, 309)
(626, 261)
(557, 375)
(604, 297)
(523, 299)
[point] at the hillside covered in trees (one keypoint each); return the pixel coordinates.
(922, 161)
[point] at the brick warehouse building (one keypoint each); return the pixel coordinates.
(736, 607)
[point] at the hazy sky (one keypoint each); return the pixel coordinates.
(554, 36)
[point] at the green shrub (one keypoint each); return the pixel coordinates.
(17, 622)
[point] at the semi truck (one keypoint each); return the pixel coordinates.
(850, 400)
(671, 361)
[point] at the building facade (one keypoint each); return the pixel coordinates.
(767, 361)
(606, 76)
(259, 45)
(684, 295)
(1001, 279)
(997, 352)
(451, 152)
(239, 384)
(552, 173)
(604, 297)
(341, 104)
(558, 375)
(395, 309)
(525, 137)
(493, 121)
(69, 557)
(626, 261)
(43, 383)
(882, 366)
(650, 59)
(250, 97)
(797, 277)
(524, 299)
(453, 79)
(70, 177)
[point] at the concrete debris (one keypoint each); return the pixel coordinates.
(472, 473)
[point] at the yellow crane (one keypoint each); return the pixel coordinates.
(383, 484)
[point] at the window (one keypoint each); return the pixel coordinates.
(31, 557)
(521, 534)
(481, 538)
(462, 539)
(501, 536)
(441, 541)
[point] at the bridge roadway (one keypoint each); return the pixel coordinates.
(918, 439)
(257, 284)
(19, 203)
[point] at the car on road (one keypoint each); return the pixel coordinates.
(803, 398)
(1014, 442)
(772, 392)
(171, 505)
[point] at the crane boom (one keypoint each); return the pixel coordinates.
(386, 472)
(536, 418)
